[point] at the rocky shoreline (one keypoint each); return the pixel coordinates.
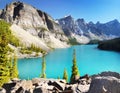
(106, 82)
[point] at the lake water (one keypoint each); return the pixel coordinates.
(90, 60)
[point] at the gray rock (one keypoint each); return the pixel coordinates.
(8, 86)
(113, 74)
(20, 90)
(57, 84)
(41, 90)
(105, 84)
(22, 85)
(2, 90)
(101, 83)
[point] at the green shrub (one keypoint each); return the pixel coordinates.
(35, 48)
(73, 41)
(25, 51)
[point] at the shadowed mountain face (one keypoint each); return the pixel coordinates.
(98, 31)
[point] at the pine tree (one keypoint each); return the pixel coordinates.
(14, 69)
(10, 67)
(43, 74)
(4, 62)
(75, 71)
(65, 75)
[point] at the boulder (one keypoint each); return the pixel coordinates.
(21, 86)
(83, 88)
(114, 74)
(2, 90)
(27, 85)
(20, 90)
(105, 84)
(57, 84)
(8, 86)
(41, 90)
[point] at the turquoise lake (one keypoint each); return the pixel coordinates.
(90, 60)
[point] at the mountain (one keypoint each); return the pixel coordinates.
(91, 31)
(72, 30)
(39, 24)
(56, 33)
(110, 28)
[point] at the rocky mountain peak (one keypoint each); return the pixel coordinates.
(113, 22)
(98, 23)
(68, 16)
(23, 15)
(81, 20)
(91, 23)
(34, 21)
(29, 18)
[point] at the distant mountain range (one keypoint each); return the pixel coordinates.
(98, 31)
(55, 33)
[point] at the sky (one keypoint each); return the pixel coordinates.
(90, 10)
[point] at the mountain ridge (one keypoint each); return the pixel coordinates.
(93, 31)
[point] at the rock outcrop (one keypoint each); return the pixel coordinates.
(40, 85)
(36, 22)
(106, 82)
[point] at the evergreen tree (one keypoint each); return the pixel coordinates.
(75, 71)
(14, 69)
(4, 62)
(65, 75)
(10, 67)
(43, 74)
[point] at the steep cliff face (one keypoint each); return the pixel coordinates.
(34, 21)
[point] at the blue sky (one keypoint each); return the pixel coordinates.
(90, 10)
